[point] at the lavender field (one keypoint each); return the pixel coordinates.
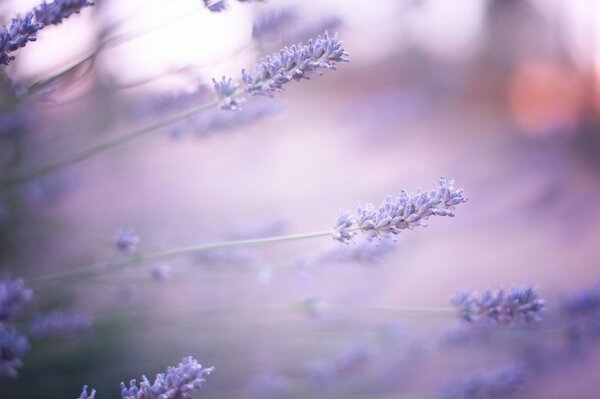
(287, 199)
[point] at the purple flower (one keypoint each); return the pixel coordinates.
(500, 306)
(13, 347)
(495, 384)
(295, 63)
(127, 240)
(84, 393)
(178, 383)
(406, 211)
(14, 295)
(215, 5)
(53, 13)
(21, 31)
(226, 93)
(59, 324)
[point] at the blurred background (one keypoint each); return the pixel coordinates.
(503, 96)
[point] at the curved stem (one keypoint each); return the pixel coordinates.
(93, 151)
(95, 269)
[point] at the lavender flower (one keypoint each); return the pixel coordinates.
(501, 307)
(54, 13)
(295, 63)
(21, 31)
(406, 211)
(127, 240)
(496, 384)
(270, 23)
(59, 324)
(13, 347)
(582, 316)
(178, 383)
(215, 5)
(161, 272)
(84, 393)
(586, 302)
(14, 295)
(226, 93)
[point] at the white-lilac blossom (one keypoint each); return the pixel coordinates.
(59, 324)
(14, 295)
(500, 306)
(86, 395)
(178, 382)
(406, 211)
(295, 63)
(226, 92)
(127, 240)
(13, 347)
(496, 384)
(54, 13)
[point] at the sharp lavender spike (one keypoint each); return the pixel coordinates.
(406, 211)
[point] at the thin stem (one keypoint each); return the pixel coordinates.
(93, 151)
(96, 269)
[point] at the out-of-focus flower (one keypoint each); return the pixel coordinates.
(406, 211)
(500, 306)
(127, 240)
(13, 347)
(161, 272)
(21, 31)
(14, 295)
(178, 383)
(295, 63)
(271, 386)
(495, 384)
(59, 324)
(226, 92)
(215, 5)
(270, 23)
(582, 315)
(54, 13)
(85, 395)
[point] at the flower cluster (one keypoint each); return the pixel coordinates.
(54, 13)
(226, 92)
(14, 295)
(59, 324)
(178, 383)
(500, 306)
(295, 63)
(496, 384)
(406, 211)
(13, 347)
(127, 240)
(85, 395)
(23, 30)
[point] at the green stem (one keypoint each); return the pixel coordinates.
(93, 151)
(95, 269)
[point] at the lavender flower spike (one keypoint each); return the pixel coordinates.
(13, 347)
(59, 324)
(14, 295)
(54, 13)
(406, 211)
(226, 92)
(21, 31)
(84, 393)
(178, 383)
(295, 63)
(127, 240)
(501, 307)
(215, 5)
